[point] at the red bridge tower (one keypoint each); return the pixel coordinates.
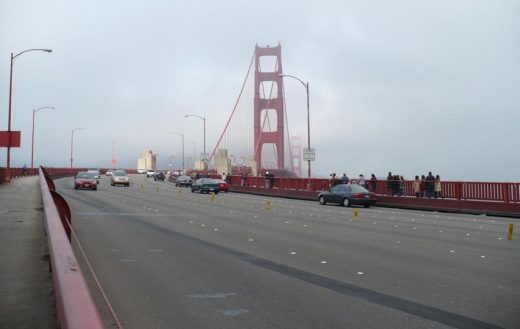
(269, 104)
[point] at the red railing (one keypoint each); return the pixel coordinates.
(75, 305)
(485, 191)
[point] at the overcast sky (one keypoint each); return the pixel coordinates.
(401, 86)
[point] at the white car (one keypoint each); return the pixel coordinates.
(150, 173)
(120, 177)
(141, 171)
(97, 172)
(109, 172)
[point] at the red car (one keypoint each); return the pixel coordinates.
(222, 185)
(85, 180)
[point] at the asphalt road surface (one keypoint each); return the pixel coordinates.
(169, 258)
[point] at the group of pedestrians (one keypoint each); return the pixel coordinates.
(344, 179)
(427, 186)
(395, 185)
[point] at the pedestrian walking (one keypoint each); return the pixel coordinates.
(417, 186)
(389, 180)
(438, 187)
(373, 183)
(423, 186)
(361, 180)
(430, 185)
(344, 179)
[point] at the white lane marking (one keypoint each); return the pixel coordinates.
(127, 260)
(292, 253)
(304, 225)
(373, 223)
(115, 250)
(415, 228)
(440, 231)
(215, 229)
(452, 251)
(360, 273)
(203, 225)
(323, 262)
(155, 250)
(398, 241)
(191, 222)
(467, 234)
(234, 311)
(287, 222)
(250, 240)
(499, 238)
(396, 225)
(482, 256)
(255, 216)
(211, 296)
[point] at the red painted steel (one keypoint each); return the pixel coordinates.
(263, 137)
(76, 308)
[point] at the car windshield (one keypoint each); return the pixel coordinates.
(83, 175)
(120, 173)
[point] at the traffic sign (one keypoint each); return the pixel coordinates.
(204, 157)
(309, 154)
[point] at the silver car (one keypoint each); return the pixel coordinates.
(120, 177)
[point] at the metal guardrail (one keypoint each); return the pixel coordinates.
(74, 303)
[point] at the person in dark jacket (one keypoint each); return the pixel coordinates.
(430, 185)
(373, 183)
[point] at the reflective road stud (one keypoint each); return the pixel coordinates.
(356, 215)
(268, 204)
(510, 234)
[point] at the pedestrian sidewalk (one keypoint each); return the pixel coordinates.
(26, 290)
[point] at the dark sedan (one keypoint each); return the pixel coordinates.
(159, 175)
(184, 181)
(205, 185)
(85, 180)
(347, 195)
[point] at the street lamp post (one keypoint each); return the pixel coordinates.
(171, 163)
(194, 154)
(8, 166)
(114, 152)
(204, 120)
(32, 144)
(306, 85)
(182, 135)
(72, 145)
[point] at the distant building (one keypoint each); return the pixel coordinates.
(148, 161)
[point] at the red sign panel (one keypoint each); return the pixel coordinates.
(10, 138)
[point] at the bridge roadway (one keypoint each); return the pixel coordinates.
(170, 260)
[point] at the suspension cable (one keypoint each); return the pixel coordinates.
(234, 109)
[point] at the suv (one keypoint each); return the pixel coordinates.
(159, 175)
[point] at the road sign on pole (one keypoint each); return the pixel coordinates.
(309, 154)
(204, 157)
